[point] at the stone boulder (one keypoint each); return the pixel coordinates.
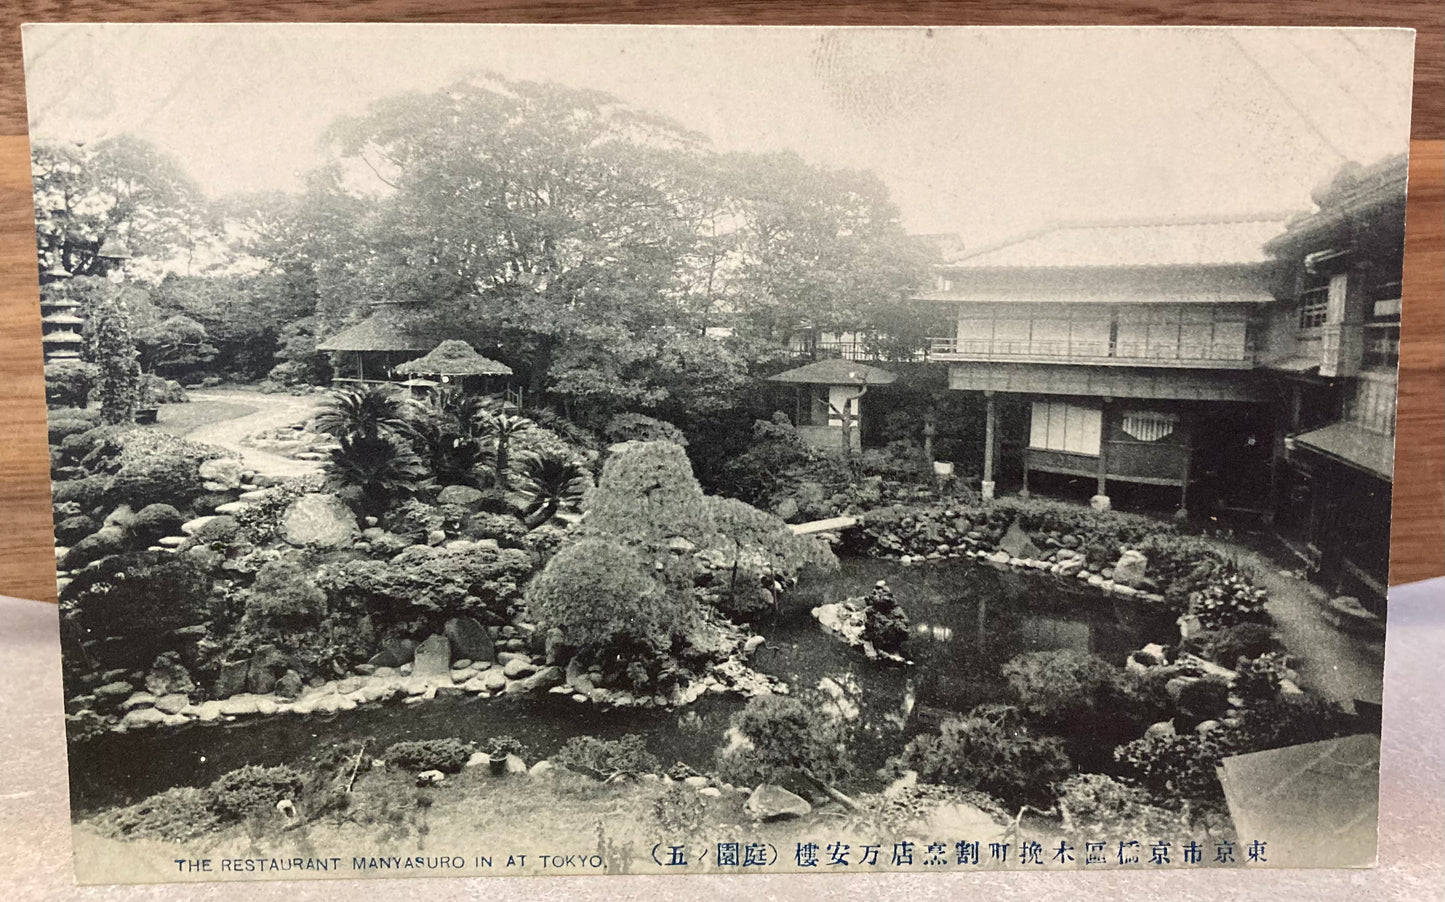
(433, 658)
(167, 678)
(1130, 568)
(464, 495)
(172, 704)
(267, 663)
(770, 802)
(232, 678)
(469, 638)
(289, 685)
(191, 527)
(221, 474)
(394, 652)
(544, 679)
(1100, 503)
(319, 520)
(1017, 543)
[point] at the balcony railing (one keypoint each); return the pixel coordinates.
(1118, 353)
(854, 349)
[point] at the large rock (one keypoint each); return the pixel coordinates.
(469, 638)
(191, 527)
(433, 658)
(544, 679)
(267, 663)
(1130, 569)
(232, 678)
(319, 520)
(289, 686)
(221, 474)
(770, 802)
(394, 652)
(464, 495)
(168, 678)
(1017, 543)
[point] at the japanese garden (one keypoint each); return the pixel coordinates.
(477, 489)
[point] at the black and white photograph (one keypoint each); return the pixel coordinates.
(583, 450)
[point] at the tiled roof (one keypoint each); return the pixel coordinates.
(1355, 445)
(1170, 242)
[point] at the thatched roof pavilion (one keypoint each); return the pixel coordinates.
(377, 340)
(454, 357)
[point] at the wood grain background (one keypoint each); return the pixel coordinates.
(1418, 546)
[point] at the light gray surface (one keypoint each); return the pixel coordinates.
(35, 836)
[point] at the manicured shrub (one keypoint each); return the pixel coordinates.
(601, 595)
(991, 750)
(254, 789)
(181, 814)
(153, 467)
(155, 521)
(647, 493)
(605, 759)
(73, 529)
(776, 461)
(783, 737)
(65, 422)
(1203, 699)
(137, 597)
(1057, 685)
(636, 427)
(221, 529)
(285, 592)
(1097, 805)
(679, 811)
(156, 390)
(107, 540)
(68, 383)
(430, 582)
(86, 492)
(1227, 645)
(446, 755)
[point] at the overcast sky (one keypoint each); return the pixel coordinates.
(983, 132)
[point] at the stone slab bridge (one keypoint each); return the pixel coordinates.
(832, 524)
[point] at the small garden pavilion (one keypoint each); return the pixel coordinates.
(376, 345)
(456, 362)
(829, 400)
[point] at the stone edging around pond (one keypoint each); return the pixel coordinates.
(1056, 568)
(513, 674)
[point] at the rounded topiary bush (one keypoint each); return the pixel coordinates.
(73, 529)
(86, 492)
(155, 521)
(106, 541)
(446, 755)
(993, 751)
(784, 736)
(180, 814)
(254, 790)
(599, 593)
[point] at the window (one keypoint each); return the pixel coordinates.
(1148, 425)
(1313, 302)
(1372, 405)
(1060, 426)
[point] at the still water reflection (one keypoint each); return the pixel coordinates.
(967, 620)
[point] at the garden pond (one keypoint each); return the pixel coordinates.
(967, 620)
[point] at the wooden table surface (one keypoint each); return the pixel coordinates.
(1418, 547)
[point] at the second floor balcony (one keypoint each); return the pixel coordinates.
(1165, 351)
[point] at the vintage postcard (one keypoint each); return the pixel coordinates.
(594, 450)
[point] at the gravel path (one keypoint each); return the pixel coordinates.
(268, 412)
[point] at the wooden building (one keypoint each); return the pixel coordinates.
(1335, 343)
(1104, 350)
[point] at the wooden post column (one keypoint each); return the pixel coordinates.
(1102, 488)
(990, 435)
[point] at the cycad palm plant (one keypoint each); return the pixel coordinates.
(368, 412)
(375, 471)
(502, 427)
(553, 481)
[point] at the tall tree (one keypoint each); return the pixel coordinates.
(120, 188)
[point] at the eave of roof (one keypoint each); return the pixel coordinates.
(836, 371)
